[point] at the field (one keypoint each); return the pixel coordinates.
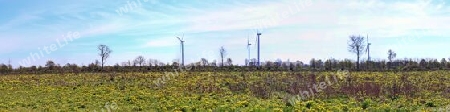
(228, 91)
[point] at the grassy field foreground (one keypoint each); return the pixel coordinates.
(227, 91)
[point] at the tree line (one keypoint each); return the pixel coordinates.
(356, 46)
(203, 65)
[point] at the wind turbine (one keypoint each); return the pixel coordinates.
(368, 48)
(182, 49)
(248, 48)
(258, 36)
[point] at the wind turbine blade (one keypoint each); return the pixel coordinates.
(367, 38)
(248, 40)
(256, 40)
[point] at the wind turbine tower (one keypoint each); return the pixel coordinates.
(248, 48)
(368, 48)
(182, 49)
(259, 58)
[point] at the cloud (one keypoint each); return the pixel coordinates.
(162, 42)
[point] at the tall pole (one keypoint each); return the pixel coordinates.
(182, 53)
(182, 50)
(248, 61)
(368, 48)
(248, 48)
(259, 61)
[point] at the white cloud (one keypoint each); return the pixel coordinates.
(162, 42)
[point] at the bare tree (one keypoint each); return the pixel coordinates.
(391, 55)
(443, 63)
(140, 60)
(229, 62)
(223, 53)
(356, 45)
(50, 64)
(204, 62)
(104, 53)
(3, 68)
(96, 63)
(312, 63)
(214, 63)
(150, 62)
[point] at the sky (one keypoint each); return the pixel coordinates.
(69, 31)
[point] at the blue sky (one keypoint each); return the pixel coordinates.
(292, 29)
